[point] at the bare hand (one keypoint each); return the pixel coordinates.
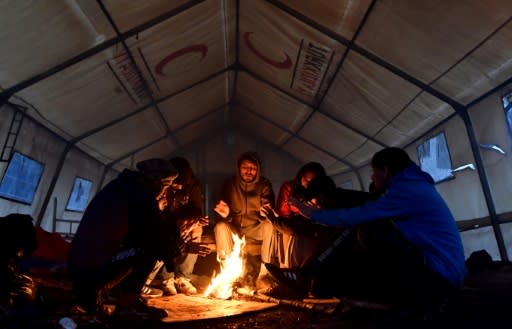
(186, 226)
(198, 248)
(222, 209)
(268, 212)
(187, 246)
(202, 221)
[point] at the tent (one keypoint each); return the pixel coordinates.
(91, 87)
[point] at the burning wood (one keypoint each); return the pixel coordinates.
(232, 268)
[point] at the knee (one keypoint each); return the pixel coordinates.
(222, 228)
(267, 228)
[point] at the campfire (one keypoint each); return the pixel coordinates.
(221, 286)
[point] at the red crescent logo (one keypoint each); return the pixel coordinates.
(159, 68)
(286, 64)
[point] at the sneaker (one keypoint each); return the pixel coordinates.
(184, 286)
(169, 287)
(291, 278)
(149, 292)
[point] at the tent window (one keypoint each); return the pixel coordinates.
(435, 158)
(507, 106)
(79, 195)
(21, 179)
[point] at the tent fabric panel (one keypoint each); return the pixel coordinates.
(183, 50)
(128, 14)
(365, 96)
(426, 38)
(39, 35)
(487, 67)
(306, 153)
(200, 128)
(293, 56)
(340, 16)
(127, 162)
(93, 153)
(252, 124)
(187, 106)
(490, 127)
(363, 154)
(160, 149)
(421, 115)
(270, 103)
(319, 130)
(392, 136)
(336, 167)
(114, 142)
(75, 100)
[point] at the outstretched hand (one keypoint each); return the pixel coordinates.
(198, 248)
(269, 213)
(222, 208)
(305, 210)
(187, 246)
(188, 225)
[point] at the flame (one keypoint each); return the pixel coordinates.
(221, 285)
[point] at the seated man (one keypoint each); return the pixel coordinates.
(121, 236)
(238, 211)
(402, 248)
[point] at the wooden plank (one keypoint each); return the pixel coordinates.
(183, 308)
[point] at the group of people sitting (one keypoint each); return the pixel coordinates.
(398, 243)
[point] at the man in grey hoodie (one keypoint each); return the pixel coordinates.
(238, 210)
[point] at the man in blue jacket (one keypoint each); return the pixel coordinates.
(402, 247)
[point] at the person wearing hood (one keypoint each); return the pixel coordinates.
(185, 206)
(238, 210)
(120, 238)
(408, 239)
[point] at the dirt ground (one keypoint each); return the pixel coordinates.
(485, 302)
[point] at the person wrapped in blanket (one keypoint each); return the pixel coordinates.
(237, 211)
(403, 248)
(121, 236)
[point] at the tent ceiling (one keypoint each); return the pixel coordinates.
(334, 80)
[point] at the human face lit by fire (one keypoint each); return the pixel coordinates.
(248, 171)
(306, 178)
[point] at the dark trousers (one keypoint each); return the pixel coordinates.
(375, 262)
(120, 277)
